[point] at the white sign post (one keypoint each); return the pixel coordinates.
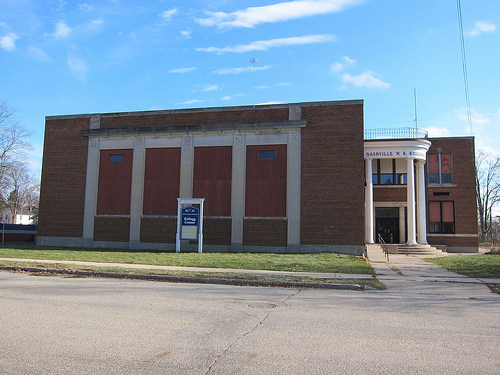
(189, 222)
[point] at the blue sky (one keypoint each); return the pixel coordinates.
(65, 57)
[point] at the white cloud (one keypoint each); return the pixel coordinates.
(94, 25)
(207, 88)
(252, 16)
(192, 101)
(78, 67)
(38, 54)
(438, 132)
(264, 45)
(226, 98)
(337, 67)
(482, 27)
(168, 14)
(8, 42)
(240, 70)
(86, 7)
(186, 34)
(477, 118)
(62, 30)
(366, 79)
(183, 70)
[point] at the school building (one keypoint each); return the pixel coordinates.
(299, 177)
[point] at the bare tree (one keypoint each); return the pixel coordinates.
(487, 189)
(13, 146)
(24, 191)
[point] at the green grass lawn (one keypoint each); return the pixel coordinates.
(484, 266)
(323, 262)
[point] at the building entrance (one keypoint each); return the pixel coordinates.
(387, 224)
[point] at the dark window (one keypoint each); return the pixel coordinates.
(267, 154)
(440, 168)
(441, 217)
(116, 158)
(386, 173)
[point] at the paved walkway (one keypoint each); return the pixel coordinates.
(411, 275)
(402, 272)
(197, 269)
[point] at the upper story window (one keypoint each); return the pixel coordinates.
(389, 172)
(440, 168)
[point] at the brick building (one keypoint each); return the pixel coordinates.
(284, 177)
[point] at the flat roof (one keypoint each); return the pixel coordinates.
(209, 109)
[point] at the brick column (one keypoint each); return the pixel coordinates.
(368, 202)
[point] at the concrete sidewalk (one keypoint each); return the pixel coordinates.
(313, 275)
(412, 274)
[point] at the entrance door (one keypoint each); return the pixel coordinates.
(387, 224)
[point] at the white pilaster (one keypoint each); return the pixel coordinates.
(238, 189)
(136, 195)
(421, 203)
(187, 165)
(412, 238)
(293, 189)
(369, 221)
(91, 189)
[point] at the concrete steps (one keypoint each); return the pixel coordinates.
(418, 250)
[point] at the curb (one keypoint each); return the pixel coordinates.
(186, 279)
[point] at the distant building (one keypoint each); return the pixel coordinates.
(284, 177)
(25, 217)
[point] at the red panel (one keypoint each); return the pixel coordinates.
(433, 164)
(448, 212)
(266, 183)
(212, 179)
(445, 163)
(115, 181)
(161, 181)
(434, 212)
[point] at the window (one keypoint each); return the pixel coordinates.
(440, 168)
(267, 154)
(389, 172)
(441, 217)
(116, 158)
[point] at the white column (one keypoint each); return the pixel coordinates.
(187, 162)
(136, 195)
(412, 238)
(238, 190)
(421, 215)
(91, 185)
(293, 190)
(369, 222)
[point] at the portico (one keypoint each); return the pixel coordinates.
(392, 163)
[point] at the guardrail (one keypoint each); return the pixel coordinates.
(385, 248)
(396, 133)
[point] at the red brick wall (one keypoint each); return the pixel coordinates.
(158, 229)
(262, 232)
(392, 194)
(62, 190)
(194, 118)
(453, 241)
(332, 205)
(463, 190)
(217, 231)
(114, 229)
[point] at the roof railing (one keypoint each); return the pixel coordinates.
(396, 133)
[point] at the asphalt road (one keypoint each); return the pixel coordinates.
(55, 325)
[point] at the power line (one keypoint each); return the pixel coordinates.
(464, 66)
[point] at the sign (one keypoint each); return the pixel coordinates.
(190, 221)
(395, 154)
